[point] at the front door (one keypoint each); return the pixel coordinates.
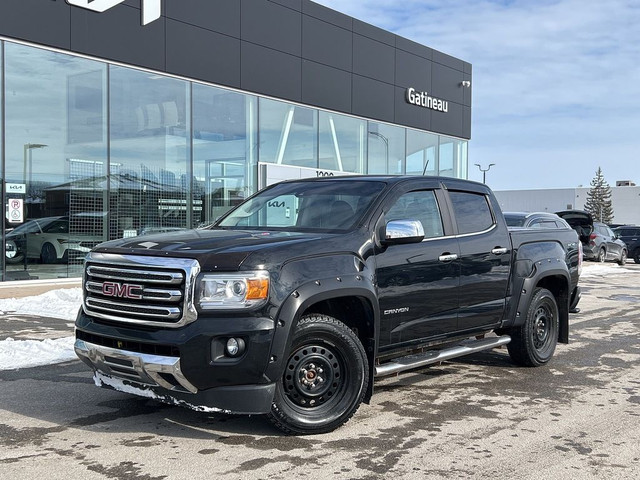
(418, 282)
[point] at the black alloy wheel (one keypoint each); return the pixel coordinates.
(325, 378)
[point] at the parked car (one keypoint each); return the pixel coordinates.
(630, 234)
(534, 220)
(545, 220)
(46, 239)
(598, 240)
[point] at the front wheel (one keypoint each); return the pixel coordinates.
(636, 255)
(325, 378)
(533, 343)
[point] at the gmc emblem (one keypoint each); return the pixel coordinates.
(121, 290)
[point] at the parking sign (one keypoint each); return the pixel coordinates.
(16, 210)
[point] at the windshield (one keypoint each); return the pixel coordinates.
(305, 206)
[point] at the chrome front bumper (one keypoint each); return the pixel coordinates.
(140, 368)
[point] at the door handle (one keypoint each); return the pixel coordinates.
(448, 257)
(499, 251)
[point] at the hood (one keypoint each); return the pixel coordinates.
(215, 248)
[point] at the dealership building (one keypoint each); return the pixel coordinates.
(120, 118)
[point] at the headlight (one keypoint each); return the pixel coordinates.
(233, 290)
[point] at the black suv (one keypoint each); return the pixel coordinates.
(630, 234)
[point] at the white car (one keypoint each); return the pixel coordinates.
(47, 239)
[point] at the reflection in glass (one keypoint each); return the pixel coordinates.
(422, 153)
(55, 136)
(453, 157)
(224, 157)
(386, 149)
(342, 143)
(288, 134)
(150, 153)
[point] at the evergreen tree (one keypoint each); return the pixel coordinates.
(598, 202)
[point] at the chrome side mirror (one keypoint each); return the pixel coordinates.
(403, 231)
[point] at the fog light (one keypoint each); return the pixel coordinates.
(235, 347)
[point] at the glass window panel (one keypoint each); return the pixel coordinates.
(342, 143)
(224, 160)
(422, 151)
(386, 149)
(56, 146)
(150, 153)
(419, 205)
(472, 212)
(288, 134)
(453, 157)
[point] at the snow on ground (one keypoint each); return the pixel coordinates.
(15, 354)
(598, 270)
(62, 303)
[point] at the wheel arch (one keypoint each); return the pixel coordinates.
(351, 300)
(557, 281)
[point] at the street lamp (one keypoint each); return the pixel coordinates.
(386, 148)
(28, 157)
(484, 171)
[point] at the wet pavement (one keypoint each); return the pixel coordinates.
(477, 417)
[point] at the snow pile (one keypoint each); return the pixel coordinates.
(599, 270)
(63, 303)
(16, 354)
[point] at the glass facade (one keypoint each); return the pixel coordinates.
(93, 151)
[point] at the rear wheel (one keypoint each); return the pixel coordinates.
(623, 257)
(602, 255)
(636, 255)
(325, 379)
(533, 343)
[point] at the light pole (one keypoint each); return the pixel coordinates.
(386, 149)
(484, 171)
(28, 157)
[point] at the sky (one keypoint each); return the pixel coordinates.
(555, 85)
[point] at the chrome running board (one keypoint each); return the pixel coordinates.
(436, 356)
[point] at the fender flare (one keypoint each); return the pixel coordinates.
(313, 292)
(545, 270)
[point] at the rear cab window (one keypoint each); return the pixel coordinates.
(472, 212)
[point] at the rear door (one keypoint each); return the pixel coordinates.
(485, 258)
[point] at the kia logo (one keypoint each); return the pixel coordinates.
(122, 290)
(151, 9)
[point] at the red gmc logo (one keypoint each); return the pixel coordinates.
(121, 290)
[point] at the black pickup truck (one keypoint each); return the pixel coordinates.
(295, 300)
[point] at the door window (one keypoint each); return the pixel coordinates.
(419, 205)
(472, 212)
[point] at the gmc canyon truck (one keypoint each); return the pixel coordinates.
(293, 302)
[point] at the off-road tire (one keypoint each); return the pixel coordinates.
(325, 378)
(533, 343)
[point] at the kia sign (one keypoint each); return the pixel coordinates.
(151, 9)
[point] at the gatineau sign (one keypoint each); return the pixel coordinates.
(151, 9)
(422, 99)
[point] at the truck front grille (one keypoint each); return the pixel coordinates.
(141, 290)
